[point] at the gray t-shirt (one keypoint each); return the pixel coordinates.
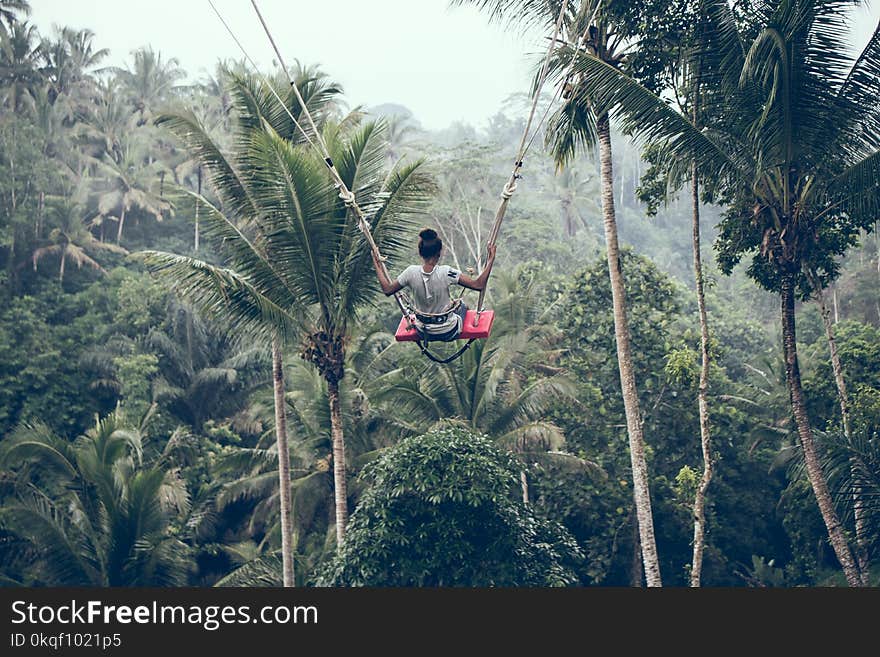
(430, 292)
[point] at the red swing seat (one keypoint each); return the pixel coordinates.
(468, 331)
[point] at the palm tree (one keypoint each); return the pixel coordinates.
(299, 266)
(211, 104)
(149, 81)
(683, 79)
(250, 99)
(205, 372)
(71, 240)
(796, 154)
(129, 183)
(9, 10)
(21, 58)
(571, 190)
(705, 364)
(69, 59)
(106, 125)
(580, 124)
(94, 512)
(577, 120)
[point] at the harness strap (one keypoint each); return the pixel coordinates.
(436, 318)
(423, 345)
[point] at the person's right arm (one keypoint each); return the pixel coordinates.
(389, 287)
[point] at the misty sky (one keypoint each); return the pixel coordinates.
(444, 64)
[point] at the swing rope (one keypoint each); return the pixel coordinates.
(510, 185)
(317, 143)
(345, 193)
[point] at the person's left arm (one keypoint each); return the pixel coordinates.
(479, 283)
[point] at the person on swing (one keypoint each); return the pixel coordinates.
(437, 319)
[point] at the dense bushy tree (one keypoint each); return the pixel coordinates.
(440, 511)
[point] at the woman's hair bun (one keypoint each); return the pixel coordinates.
(428, 234)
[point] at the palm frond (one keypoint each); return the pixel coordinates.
(67, 557)
(36, 442)
(250, 257)
(254, 487)
(570, 463)
(224, 177)
(523, 14)
(223, 294)
(644, 114)
(536, 436)
(292, 191)
(571, 129)
(263, 571)
(856, 191)
(857, 96)
(534, 401)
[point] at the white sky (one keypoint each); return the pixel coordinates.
(444, 64)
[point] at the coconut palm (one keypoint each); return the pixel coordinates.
(129, 183)
(21, 58)
(206, 372)
(94, 512)
(574, 188)
(69, 58)
(10, 9)
(149, 81)
(681, 77)
(71, 240)
(253, 101)
(107, 123)
(795, 155)
(298, 266)
(578, 124)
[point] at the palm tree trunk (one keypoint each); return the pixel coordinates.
(524, 484)
(283, 463)
(12, 176)
(635, 564)
(61, 268)
(339, 483)
(834, 300)
(624, 360)
(705, 442)
(843, 398)
(40, 207)
(811, 458)
(11, 269)
(196, 236)
(121, 222)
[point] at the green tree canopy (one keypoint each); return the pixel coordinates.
(441, 510)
